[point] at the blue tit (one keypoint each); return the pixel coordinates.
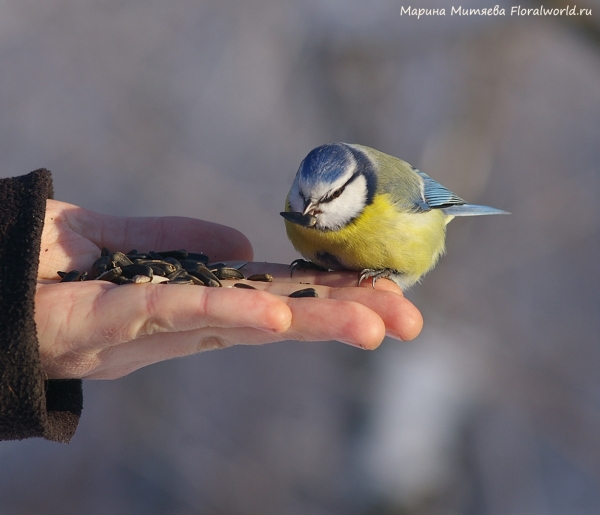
(351, 207)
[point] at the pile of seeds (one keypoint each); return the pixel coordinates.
(167, 267)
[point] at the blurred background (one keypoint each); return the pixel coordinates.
(205, 109)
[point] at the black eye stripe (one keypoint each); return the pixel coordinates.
(340, 190)
(335, 194)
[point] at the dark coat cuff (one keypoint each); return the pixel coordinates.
(30, 406)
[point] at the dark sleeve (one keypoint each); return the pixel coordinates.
(30, 406)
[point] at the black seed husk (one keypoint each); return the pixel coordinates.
(176, 266)
(177, 254)
(180, 280)
(244, 286)
(206, 276)
(110, 275)
(70, 277)
(174, 262)
(132, 270)
(267, 278)
(198, 256)
(157, 270)
(120, 259)
(100, 266)
(306, 292)
(228, 273)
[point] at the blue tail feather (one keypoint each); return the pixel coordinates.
(473, 210)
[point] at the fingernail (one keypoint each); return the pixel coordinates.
(394, 336)
(354, 344)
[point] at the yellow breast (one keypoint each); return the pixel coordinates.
(381, 237)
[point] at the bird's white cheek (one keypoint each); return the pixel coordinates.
(337, 213)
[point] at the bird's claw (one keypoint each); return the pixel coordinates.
(375, 275)
(303, 264)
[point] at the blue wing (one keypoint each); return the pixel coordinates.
(435, 195)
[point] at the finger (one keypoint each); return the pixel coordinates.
(156, 233)
(105, 314)
(328, 319)
(356, 320)
(313, 320)
(402, 319)
(115, 362)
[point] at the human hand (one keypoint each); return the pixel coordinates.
(98, 330)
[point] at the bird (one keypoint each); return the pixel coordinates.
(351, 207)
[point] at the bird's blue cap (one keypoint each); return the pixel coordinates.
(326, 163)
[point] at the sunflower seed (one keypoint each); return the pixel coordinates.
(130, 271)
(120, 259)
(69, 277)
(228, 273)
(180, 281)
(177, 254)
(110, 275)
(139, 279)
(267, 278)
(306, 292)
(206, 276)
(198, 256)
(169, 267)
(100, 266)
(244, 286)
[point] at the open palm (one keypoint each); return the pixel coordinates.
(96, 329)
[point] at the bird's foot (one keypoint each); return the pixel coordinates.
(303, 264)
(376, 274)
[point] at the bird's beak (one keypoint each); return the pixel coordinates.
(302, 219)
(309, 207)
